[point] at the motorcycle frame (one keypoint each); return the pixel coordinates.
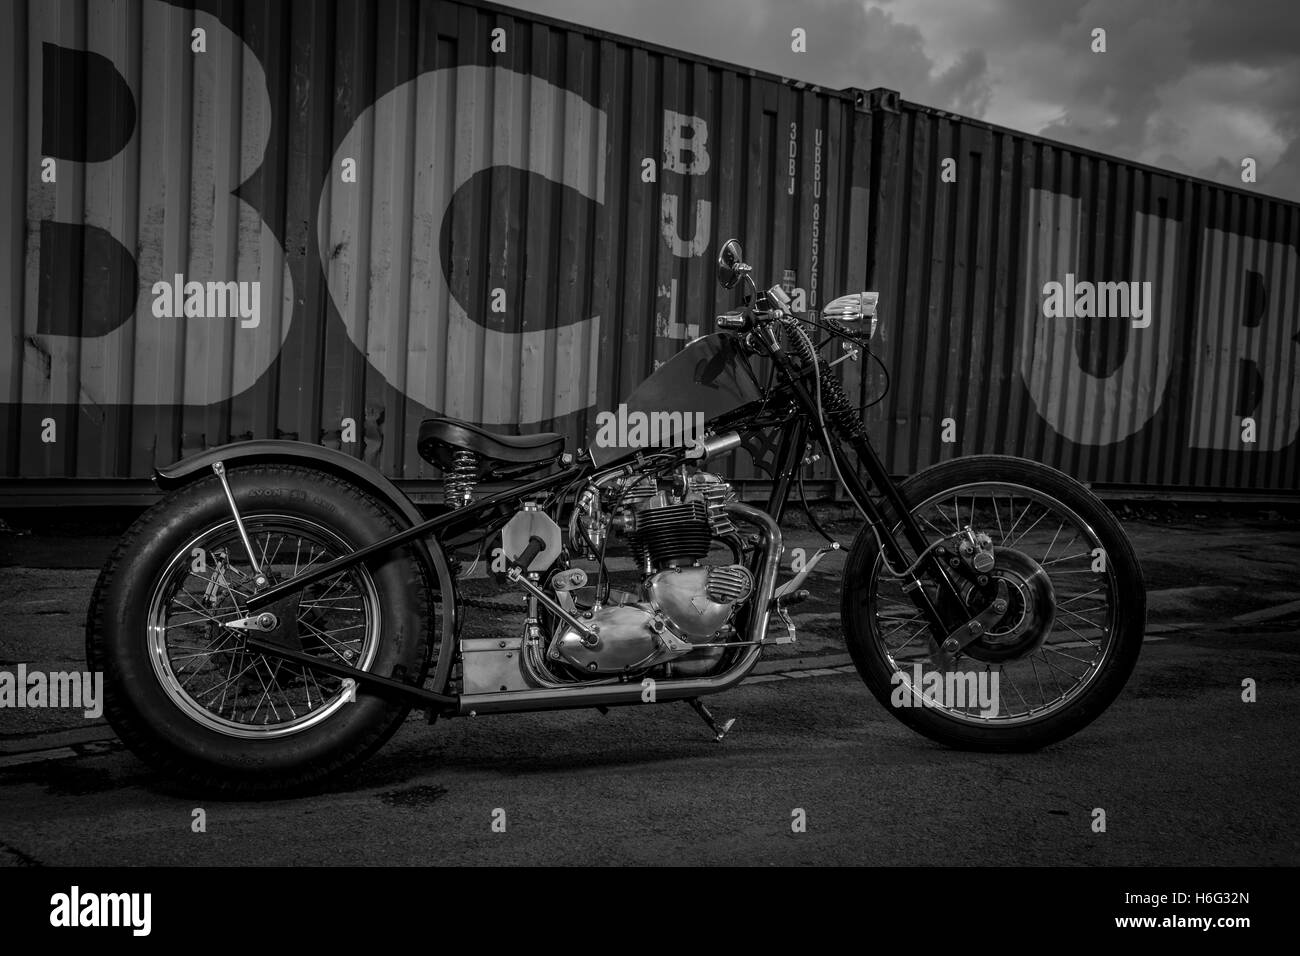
(793, 441)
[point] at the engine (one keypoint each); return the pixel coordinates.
(681, 615)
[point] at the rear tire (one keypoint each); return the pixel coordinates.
(882, 667)
(149, 698)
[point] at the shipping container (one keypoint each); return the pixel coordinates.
(972, 223)
(327, 222)
(447, 209)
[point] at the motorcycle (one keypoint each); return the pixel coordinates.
(271, 622)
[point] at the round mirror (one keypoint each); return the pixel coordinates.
(730, 258)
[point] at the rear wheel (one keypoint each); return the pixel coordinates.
(1055, 651)
(182, 689)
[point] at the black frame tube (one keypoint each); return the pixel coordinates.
(282, 590)
(789, 459)
(384, 686)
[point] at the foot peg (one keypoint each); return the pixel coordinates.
(719, 731)
(792, 585)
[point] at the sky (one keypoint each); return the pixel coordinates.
(1187, 85)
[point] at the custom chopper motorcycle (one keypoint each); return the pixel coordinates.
(272, 621)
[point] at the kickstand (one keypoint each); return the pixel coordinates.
(718, 731)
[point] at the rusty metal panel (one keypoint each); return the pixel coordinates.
(1170, 399)
(448, 208)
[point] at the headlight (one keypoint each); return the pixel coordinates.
(854, 307)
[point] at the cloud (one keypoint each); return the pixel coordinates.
(1189, 85)
(850, 43)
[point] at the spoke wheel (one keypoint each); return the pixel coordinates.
(1058, 626)
(1060, 613)
(204, 665)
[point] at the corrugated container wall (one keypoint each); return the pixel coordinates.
(447, 209)
(410, 208)
(1193, 385)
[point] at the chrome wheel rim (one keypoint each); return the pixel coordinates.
(203, 665)
(1056, 666)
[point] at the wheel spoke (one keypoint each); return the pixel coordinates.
(328, 642)
(919, 631)
(1048, 647)
(1053, 670)
(1024, 534)
(266, 691)
(275, 554)
(1096, 644)
(900, 627)
(1059, 529)
(1012, 530)
(1077, 597)
(1072, 557)
(1007, 677)
(1081, 618)
(236, 677)
(942, 534)
(222, 703)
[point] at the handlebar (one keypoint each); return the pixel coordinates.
(771, 305)
(736, 320)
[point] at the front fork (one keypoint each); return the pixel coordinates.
(789, 460)
(931, 564)
(952, 630)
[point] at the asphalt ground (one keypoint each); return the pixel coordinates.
(815, 771)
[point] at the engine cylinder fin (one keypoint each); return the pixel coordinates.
(674, 534)
(715, 494)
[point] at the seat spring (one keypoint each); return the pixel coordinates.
(458, 481)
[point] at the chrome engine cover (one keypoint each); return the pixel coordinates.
(683, 606)
(698, 601)
(629, 635)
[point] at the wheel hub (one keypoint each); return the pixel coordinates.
(1029, 614)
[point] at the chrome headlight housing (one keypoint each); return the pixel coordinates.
(854, 307)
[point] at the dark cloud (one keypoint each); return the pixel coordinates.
(1190, 85)
(1287, 168)
(1258, 32)
(850, 43)
(965, 84)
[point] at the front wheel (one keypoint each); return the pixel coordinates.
(1063, 637)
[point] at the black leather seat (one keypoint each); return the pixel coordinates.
(440, 437)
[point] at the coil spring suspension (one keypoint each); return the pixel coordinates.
(838, 410)
(458, 481)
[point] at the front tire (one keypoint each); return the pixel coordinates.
(180, 689)
(1071, 634)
